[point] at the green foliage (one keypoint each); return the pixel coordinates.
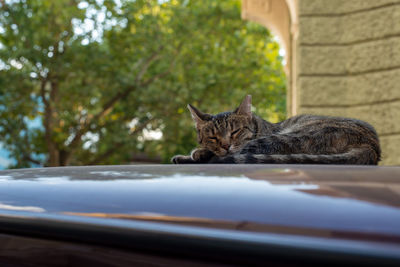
(103, 77)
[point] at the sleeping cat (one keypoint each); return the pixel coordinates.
(242, 137)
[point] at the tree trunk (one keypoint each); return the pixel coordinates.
(54, 153)
(65, 158)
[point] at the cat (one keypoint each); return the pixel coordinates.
(242, 137)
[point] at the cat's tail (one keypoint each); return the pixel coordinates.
(355, 156)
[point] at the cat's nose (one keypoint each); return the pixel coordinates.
(225, 146)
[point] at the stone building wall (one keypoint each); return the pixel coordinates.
(343, 59)
(349, 64)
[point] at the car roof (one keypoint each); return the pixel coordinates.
(332, 203)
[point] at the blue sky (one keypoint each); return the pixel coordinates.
(4, 158)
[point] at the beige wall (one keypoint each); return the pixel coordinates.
(344, 60)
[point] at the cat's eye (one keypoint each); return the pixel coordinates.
(213, 138)
(235, 132)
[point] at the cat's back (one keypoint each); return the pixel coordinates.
(317, 122)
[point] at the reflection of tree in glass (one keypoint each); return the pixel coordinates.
(97, 173)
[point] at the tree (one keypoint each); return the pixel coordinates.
(103, 78)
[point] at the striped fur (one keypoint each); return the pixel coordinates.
(242, 137)
(355, 156)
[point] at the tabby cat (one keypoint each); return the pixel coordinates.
(242, 137)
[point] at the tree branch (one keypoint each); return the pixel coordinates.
(164, 73)
(146, 65)
(108, 106)
(43, 90)
(116, 146)
(27, 151)
(20, 143)
(157, 76)
(30, 159)
(49, 120)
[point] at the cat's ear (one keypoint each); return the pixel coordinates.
(245, 107)
(198, 116)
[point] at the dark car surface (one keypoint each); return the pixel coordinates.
(165, 215)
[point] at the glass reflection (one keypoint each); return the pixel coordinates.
(20, 208)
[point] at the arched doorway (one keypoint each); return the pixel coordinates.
(280, 16)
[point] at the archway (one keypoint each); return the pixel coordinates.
(280, 16)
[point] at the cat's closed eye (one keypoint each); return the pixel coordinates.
(235, 132)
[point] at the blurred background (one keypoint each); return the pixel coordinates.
(107, 82)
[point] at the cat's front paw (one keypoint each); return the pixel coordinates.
(223, 160)
(180, 159)
(201, 155)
